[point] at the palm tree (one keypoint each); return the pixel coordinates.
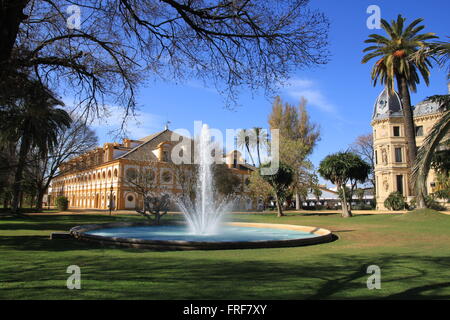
(430, 145)
(441, 52)
(33, 122)
(244, 139)
(261, 140)
(394, 64)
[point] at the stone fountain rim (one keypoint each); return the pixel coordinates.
(321, 235)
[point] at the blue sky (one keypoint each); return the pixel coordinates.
(340, 94)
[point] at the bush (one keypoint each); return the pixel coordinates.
(62, 203)
(430, 203)
(395, 201)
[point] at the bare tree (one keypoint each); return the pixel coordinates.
(120, 42)
(142, 179)
(72, 142)
(363, 146)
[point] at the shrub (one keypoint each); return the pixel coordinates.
(62, 203)
(430, 203)
(395, 201)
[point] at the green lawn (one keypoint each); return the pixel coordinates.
(412, 250)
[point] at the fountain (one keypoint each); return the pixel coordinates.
(204, 227)
(205, 217)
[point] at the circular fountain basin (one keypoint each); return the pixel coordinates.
(234, 235)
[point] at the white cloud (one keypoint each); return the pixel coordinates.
(310, 90)
(135, 127)
(110, 121)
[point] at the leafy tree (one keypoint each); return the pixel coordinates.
(226, 182)
(360, 194)
(317, 192)
(259, 188)
(396, 64)
(341, 168)
(280, 183)
(298, 137)
(62, 203)
(34, 123)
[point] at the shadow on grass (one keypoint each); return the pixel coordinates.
(162, 277)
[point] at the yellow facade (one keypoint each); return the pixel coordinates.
(392, 165)
(92, 179)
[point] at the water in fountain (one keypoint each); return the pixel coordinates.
(205, 216)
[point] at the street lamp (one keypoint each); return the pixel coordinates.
(110, 199)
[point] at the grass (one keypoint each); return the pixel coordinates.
(412, 251)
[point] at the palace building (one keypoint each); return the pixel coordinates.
(97, 178)
(392, 166)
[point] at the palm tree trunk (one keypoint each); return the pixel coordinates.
(408, 118)
(250, 154)
(17, 186)
(257, 150)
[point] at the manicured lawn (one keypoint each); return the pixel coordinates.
(412, 250)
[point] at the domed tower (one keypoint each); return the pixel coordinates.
(390, 147)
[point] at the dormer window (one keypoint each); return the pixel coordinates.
(165, 156)
(419, 131)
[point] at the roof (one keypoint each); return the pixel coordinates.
(388, 104)
(147, 140)
(426, 107)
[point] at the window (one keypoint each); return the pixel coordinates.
(396, 131)
(400, 183)
(376, 157)
(419, 131)
(398, 155)
(166, 176)
(131, 174)
(130, 198)
(165, 156)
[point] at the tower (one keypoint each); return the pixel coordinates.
(392, 166)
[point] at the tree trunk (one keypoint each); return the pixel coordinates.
(408, 119)
(346, 213)
(279, 206)
(297, 201)
(39, 199)
(250, 154)
(257, 150)
(17, 186)
(11, 15)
